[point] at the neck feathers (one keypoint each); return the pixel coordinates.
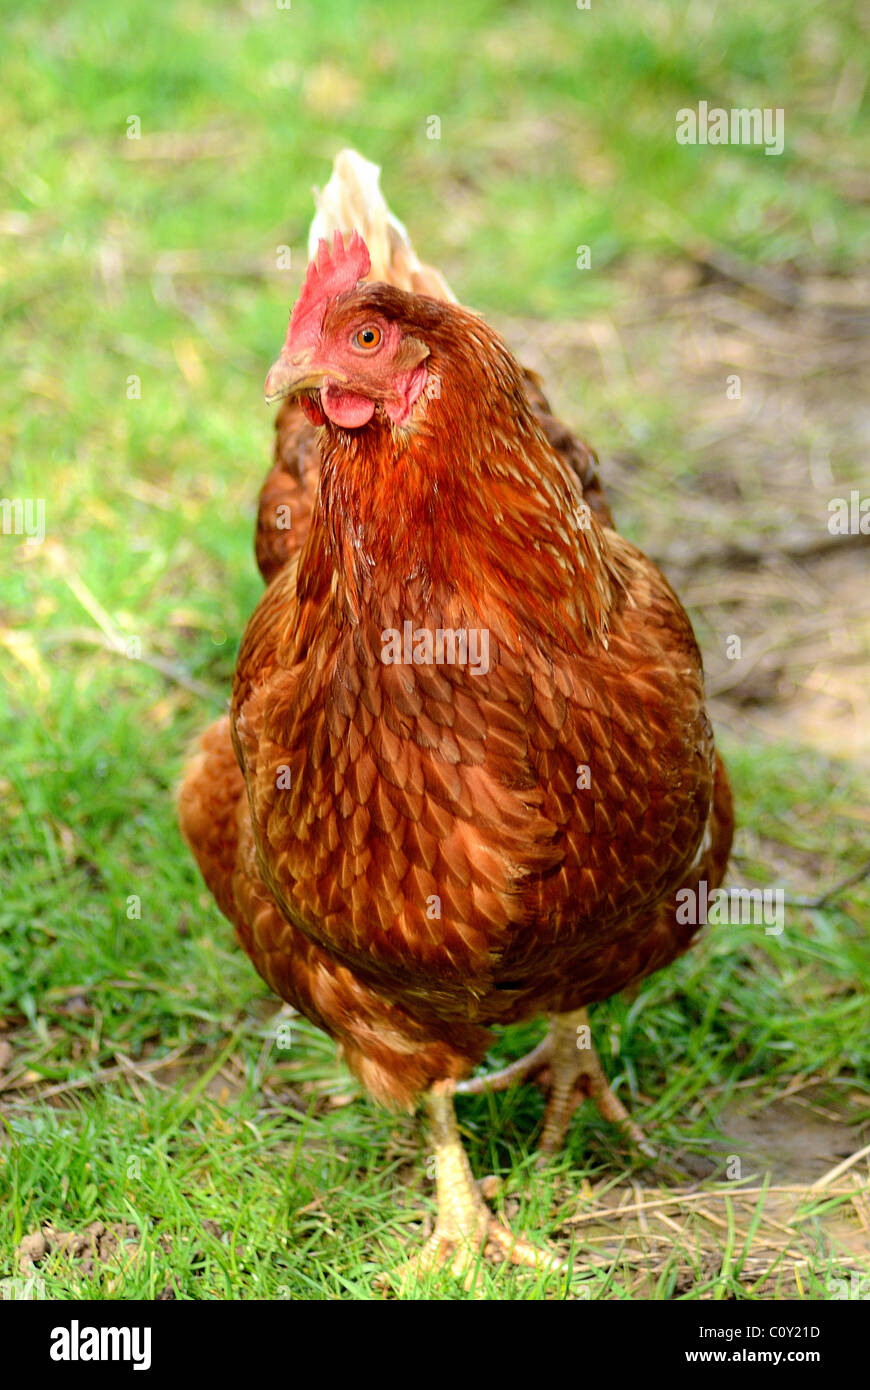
(469, 504)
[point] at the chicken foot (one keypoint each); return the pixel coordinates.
(465, 1227)
(572, 1072)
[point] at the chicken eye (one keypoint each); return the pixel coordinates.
(367, 337)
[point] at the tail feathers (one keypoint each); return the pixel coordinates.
(353, 201)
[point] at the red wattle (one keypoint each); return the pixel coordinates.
(344, 407)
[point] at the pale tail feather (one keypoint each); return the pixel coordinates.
(353, 201)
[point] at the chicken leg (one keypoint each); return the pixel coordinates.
(575, 1072)
(465, 1227)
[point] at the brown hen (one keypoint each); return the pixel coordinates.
(468, 765)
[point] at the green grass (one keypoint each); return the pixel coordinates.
(557, 129)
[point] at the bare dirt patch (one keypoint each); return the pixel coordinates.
(774, 1240)
(103, 1251)
(742, 530)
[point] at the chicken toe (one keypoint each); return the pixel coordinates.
(575, 1074)
(466, 1229)
(570, 1070)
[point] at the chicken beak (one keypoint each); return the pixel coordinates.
(288, 376)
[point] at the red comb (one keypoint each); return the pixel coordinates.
(331, 271)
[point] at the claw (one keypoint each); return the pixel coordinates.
(466, 1230)
(572, 1074)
